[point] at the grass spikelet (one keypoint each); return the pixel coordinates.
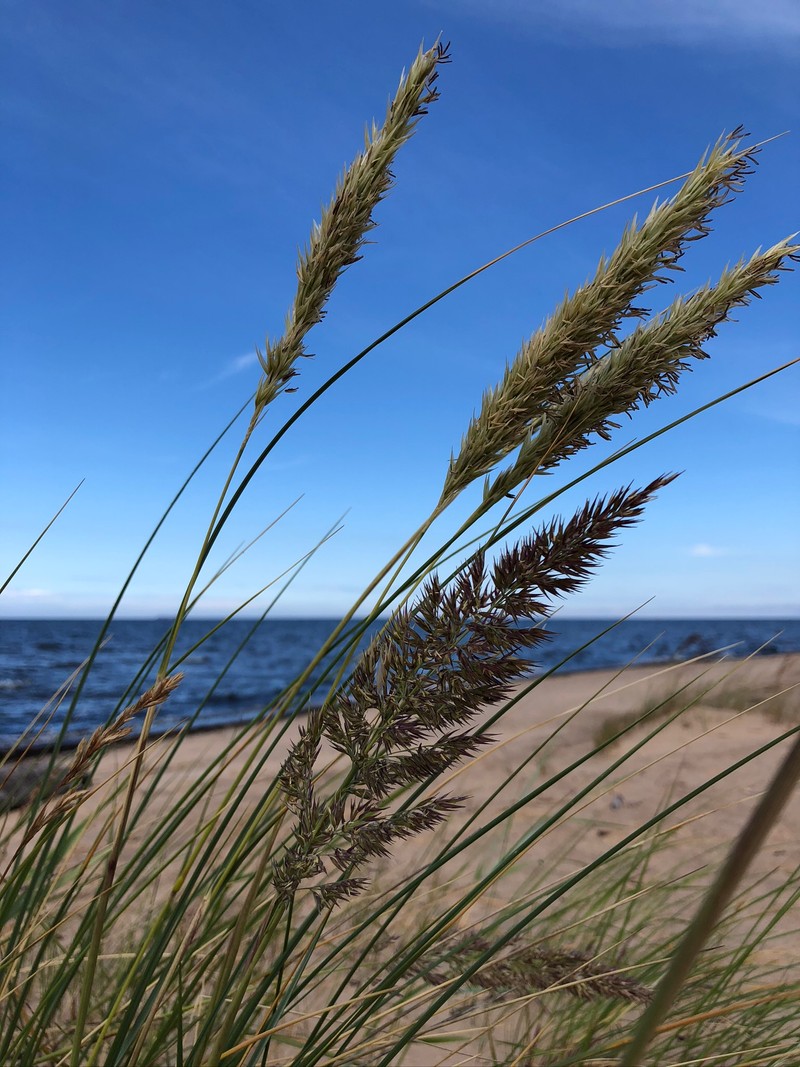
(69, 789)
(540, 967)
(336, 240)
(646, 365)
(120, 728)
(590, 318)
(453, 651)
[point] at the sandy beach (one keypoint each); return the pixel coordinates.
(737, 707)
(541, 743)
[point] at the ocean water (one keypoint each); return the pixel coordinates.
(38, 656)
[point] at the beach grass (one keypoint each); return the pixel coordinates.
(326, 886)
(771, 692)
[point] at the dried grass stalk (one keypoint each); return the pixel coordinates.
(589, 319)
(341, 233)
(646, 365)
(403, 717)
(539, 967)
(69, 790)
(577, 972)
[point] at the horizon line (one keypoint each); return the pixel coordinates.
(625, 616)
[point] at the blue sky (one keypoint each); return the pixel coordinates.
(163, 162)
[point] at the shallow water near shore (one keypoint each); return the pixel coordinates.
(38, 655)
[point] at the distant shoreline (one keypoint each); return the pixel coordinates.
(45, 748)
(335, 619)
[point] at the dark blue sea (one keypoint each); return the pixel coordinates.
(38, 656)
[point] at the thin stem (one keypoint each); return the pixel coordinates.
(201, 559)
(114, 607)
(25, 556)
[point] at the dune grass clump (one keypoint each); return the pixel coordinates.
(718, 689)
(264, 910)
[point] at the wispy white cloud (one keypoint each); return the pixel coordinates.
(705, 551)
(238, 364)
(786, 416)
(234, 366)
(15, 593)
(739, 22)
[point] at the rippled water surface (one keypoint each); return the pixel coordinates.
(234, 676)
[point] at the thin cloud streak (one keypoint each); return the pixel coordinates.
(733, 22)
(704, 551)
(240, 363)
(233, 367)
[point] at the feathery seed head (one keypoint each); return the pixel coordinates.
(402, 718)
(70, 792)
(336, 240)
(588, 320)
(540, 968)
(646, 365)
